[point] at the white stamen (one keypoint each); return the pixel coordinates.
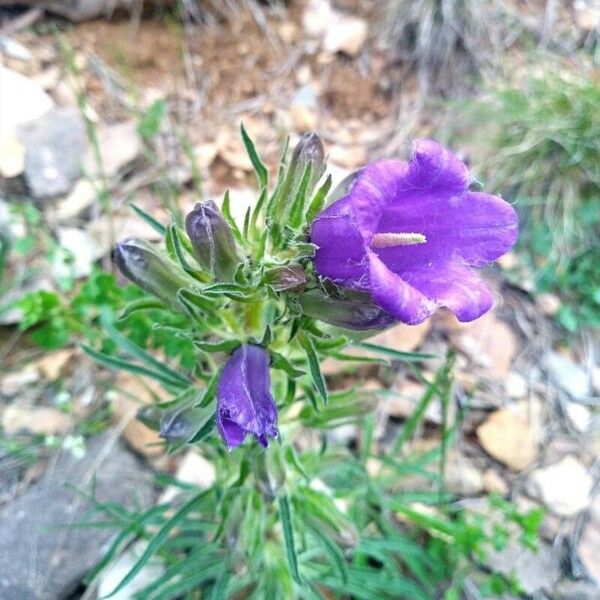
(388, 240)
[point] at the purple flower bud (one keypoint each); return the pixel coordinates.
(244, 401)
(411, 236)
(286, 278)
(309, 149)
(212, 240)
(355, 311)
(143, 264)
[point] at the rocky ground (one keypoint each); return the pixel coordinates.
(527, 398)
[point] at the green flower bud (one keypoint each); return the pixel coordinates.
(308, 151)
(212, 240)
(179, 424)
(352, 311)
(147, 267)
(286, 278)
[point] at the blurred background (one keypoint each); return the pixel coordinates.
(108, 102)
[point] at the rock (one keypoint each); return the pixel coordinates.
(515, 386)
(81, 197)
(579, 416)
(131, 393)
(571, 378)
(112, 576)
(493, 482)
(577, 589)
(488, 342)
(549, 304)
(461, 476)
(12, 383)
(21, 100)
(587, 15)
(119, 146)
(350, 157)
(303, 109)
(405, 398)
(43, 558)
(508, 435)
(54, 146)
(232, 151)
(12, 155)
(44, 420)
(563, 487)
(589, 543)
(53, 364)
(346, 34)
(14, 49)
(535, 571)
(193, 469)
(316, 17)
(79, 253)
(205, 154)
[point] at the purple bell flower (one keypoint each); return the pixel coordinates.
(411, 234)
(244, 401)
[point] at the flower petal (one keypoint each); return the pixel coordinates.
(434, 167)
(396, 296)
(453, 286)
(244, 401)
(474, 228)
(375, 186)
(341, 252)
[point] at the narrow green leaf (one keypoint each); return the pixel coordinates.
(118, 363)
(396, 354)
(319, 200)
(158, 227)
(158, 540)
(137, 352)
(313, 364)
(297, 210)
(141, 304)
(226, 210)
(259, 168)
(285, 514)
(223, 346)
(280, 362)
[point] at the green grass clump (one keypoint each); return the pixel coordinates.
(538, 144)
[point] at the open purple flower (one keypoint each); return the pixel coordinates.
(410, 235)
(244, 401)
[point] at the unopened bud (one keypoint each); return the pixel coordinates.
(286, 278)
(308, 151)
(147, 267)
(212, 240)
(357, 312)
(181, 423)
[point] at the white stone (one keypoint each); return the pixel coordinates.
(193, 469)
(515, 386)
(563, 487)
(570, 377)
(579, 416)
(80, 253)
(345, 34)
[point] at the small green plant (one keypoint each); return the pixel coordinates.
(261, 305)
(539, 142)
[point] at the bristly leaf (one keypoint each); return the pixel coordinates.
(297, 209)
(396, 354)
(158, 540)
(319, 200)
(278, 361)
(259, 168)
(258, 208)
(158, 227)
(226, 210)
(285, 514)
(119, 363)
(222, 346)
(141, 304)
(313, 364)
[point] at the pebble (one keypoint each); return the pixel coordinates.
(563, 487)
